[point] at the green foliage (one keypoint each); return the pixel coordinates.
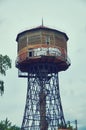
(70, 128)
(7, 125)
(1, 87)
(67, 126)
(61, 126)
(5, 64)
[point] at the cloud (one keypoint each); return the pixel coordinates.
(83, 1)
(1, 21)
(1, 1)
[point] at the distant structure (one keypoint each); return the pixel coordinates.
(42, 54)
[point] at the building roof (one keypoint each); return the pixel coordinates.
(41, 28)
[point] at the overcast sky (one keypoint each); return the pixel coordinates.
(64, 15)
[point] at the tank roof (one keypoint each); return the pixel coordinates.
(41, 28)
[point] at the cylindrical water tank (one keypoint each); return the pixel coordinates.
(42, 44)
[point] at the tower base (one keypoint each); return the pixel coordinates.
(43, 109)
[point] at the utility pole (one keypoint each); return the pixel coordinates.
(76, 125)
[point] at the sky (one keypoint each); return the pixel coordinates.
(68, 16)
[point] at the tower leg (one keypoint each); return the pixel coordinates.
(42, 105)
(43, 109)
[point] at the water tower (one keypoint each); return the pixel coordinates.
(42, 54)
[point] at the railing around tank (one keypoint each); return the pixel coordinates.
(32, 53)
(68, 61)
(46, 52)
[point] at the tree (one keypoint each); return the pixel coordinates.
(5, 64)
(7, 125)
(14, 128)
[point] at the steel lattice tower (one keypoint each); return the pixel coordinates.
(43, 109)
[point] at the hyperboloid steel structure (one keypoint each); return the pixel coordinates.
(42, 54)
